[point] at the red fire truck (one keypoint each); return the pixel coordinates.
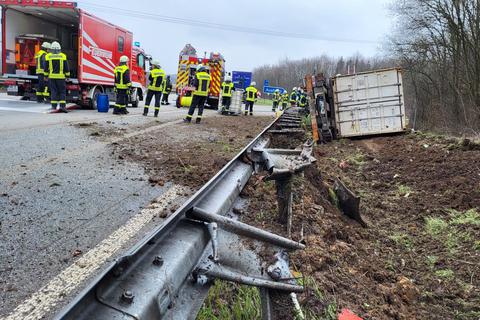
(93, 47)
(187, 64)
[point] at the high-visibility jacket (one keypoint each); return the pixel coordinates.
(202, 84)
(251, 93)
(122, 77)
(302, 100)
(167, 86)
(227, 88)
(285, 97)
(56, 66)
(293, 97)
(156, 78)
(40, 60)
(276, 97)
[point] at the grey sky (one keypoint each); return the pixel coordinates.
(342, 19)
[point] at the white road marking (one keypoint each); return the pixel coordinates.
(44, 300)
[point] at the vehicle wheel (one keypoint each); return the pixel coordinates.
(136, 101)
(93, 101)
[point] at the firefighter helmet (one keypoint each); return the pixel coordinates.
(228, 78)
(156, 63)
(46, 45)
(124, 59)
(253, 84)
(55, 46)
(294, 89)
(276, 90)
(201, 68)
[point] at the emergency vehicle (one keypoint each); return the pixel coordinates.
(187, 67)
(93, 47)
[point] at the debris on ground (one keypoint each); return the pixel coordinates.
(419, 255)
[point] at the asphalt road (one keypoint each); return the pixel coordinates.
(61, 191)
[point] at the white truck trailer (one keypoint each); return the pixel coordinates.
(369, 103)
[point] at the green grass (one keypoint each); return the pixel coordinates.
(435, 226)
(357, 159)
(330, 307)
(431, 261)
(445, 274)
(227, 301)
(402, 239)
(403, 190)
(469, 217)
(333, 198)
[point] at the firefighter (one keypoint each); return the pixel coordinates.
(155, 87)
(122, 86)
(167, 88)
(201, 83)
(302, 99)
(227, 88)
(57, 69)
(40, 71)
(285, 99)
(276, 100)
(293, 97)
(251, 95)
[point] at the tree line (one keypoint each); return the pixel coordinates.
(437, 43)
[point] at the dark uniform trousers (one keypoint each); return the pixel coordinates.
(150, 94)
(58, 91)
(249, 105)
(121, 101)
(226, 101)
(197, 101)
(41, 87)
(275, 105)
(165, 98)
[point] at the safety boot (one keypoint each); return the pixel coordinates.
(116, 110)
(156, 113)
(145, 111)
(63, 109)
(187, 120)
(197, 120)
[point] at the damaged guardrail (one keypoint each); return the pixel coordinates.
(168, 273)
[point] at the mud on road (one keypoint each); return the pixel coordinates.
(418, 257)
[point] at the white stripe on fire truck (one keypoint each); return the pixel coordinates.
(91, 76)
(93, 43)
(92, 65)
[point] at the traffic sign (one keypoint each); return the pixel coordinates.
(265, 83)
(268, 89)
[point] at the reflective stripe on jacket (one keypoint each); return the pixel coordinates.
(40, 60)
(56, 65)
(251, 93)
(227, 88)
(203, 86)
(122, 77)
(157, 80)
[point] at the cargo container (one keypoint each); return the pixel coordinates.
(93, 47)
(369, 103)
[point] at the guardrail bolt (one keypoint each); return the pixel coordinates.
(127, 296)
(158, 261)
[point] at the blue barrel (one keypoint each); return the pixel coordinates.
(102, 102)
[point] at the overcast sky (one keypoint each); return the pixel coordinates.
(366, 21)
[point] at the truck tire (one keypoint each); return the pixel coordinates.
(93, 102)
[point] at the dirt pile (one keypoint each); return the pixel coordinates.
(190, 154)
(418, 257)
